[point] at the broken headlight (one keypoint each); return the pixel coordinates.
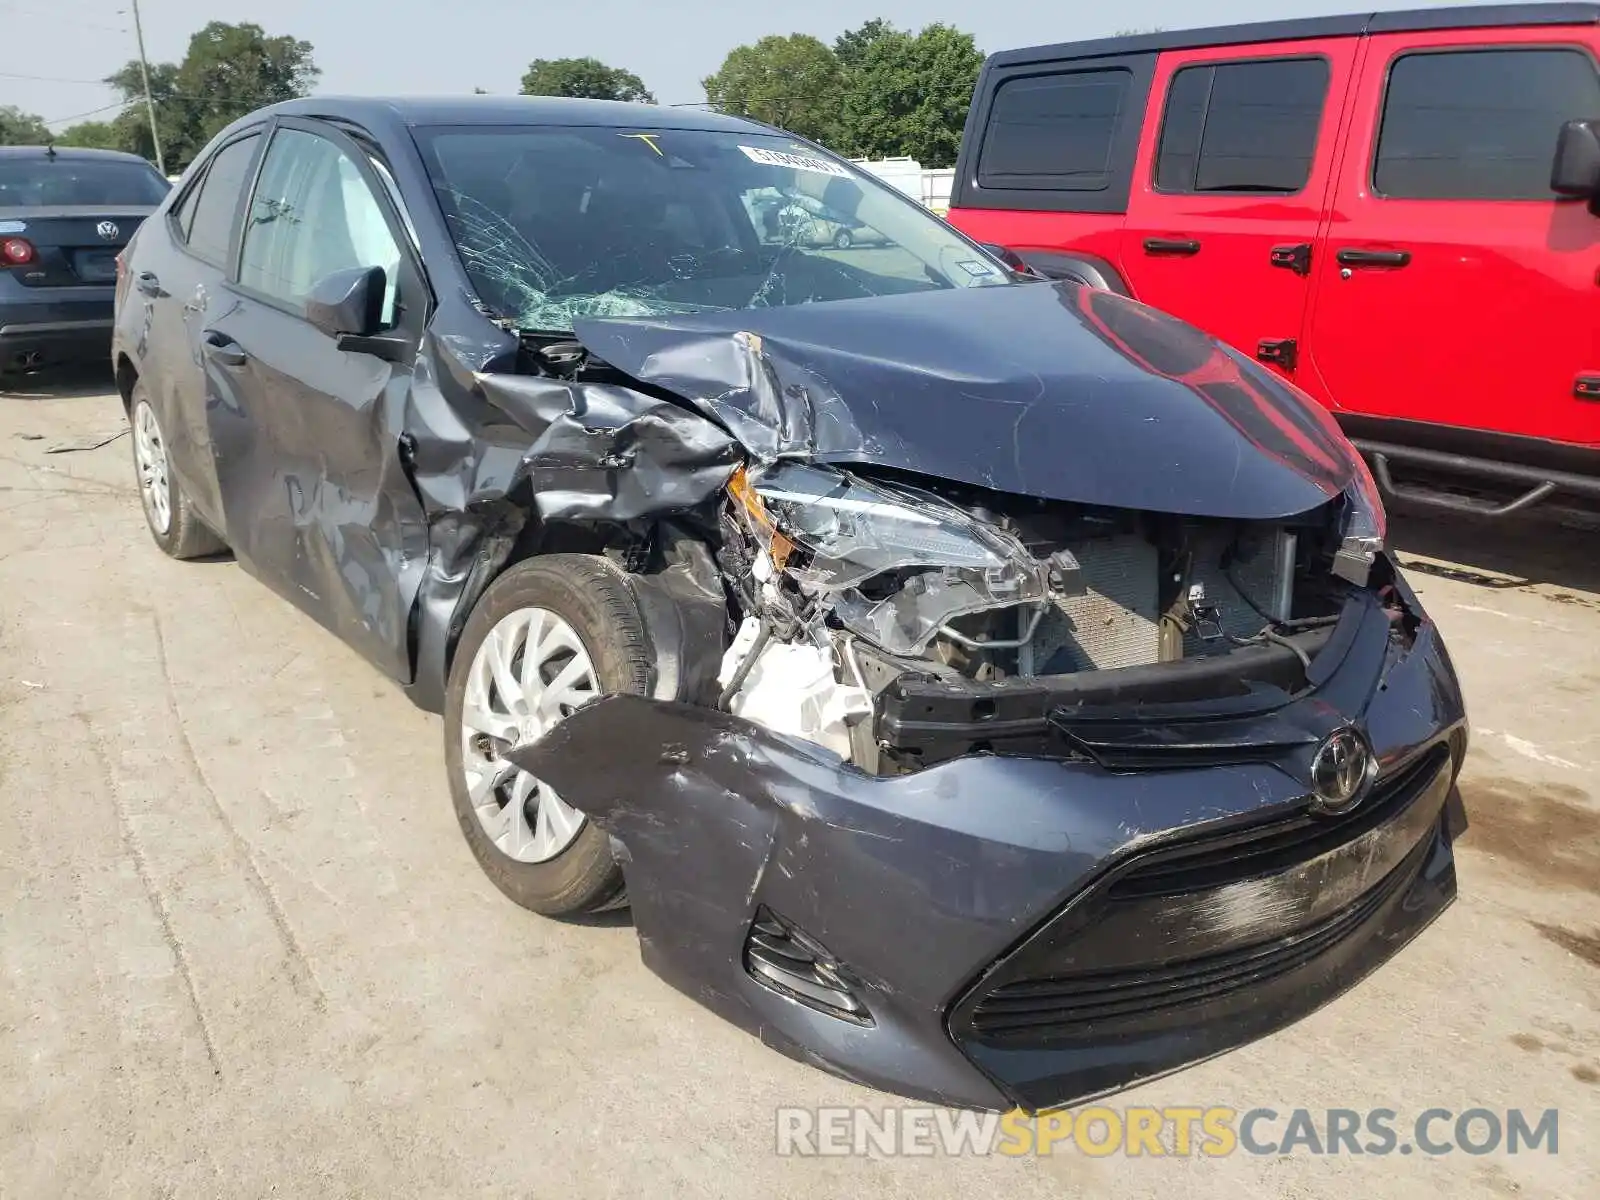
(895, 564)
(1362, 526)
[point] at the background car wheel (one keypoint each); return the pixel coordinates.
(548, 635)
(167, 511)
(842, 240)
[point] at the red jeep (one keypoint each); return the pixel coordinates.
(1399, 211)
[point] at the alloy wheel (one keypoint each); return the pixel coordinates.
(150, 456)
(530, 672)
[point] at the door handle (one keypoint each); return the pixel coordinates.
(223, 348)
(147, 283)
(1373, 258)
(1178, 247)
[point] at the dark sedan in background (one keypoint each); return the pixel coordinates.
(988, 688)
(65, 214)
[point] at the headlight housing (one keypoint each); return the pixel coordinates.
(1363, 526)
(896, 563)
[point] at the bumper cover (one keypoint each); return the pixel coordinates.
(60, 327)
(1024, 931)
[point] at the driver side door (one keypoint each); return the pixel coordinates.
(309, 438)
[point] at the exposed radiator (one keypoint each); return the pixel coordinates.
(1115, 623)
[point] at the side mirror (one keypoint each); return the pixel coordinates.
(348, 301)
(1576, 171)
(348, 306)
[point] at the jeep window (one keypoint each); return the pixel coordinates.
(1053, 131)
(1479, 124)
(555, 223)
(1242, 127)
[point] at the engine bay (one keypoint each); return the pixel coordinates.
(852, 589)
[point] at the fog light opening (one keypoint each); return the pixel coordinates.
(785, 959)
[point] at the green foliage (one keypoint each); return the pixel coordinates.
(792, 82)
(907, 93)
(92, 135)
(583, 77)
(851, 45)
(229, 70)
(18, 128)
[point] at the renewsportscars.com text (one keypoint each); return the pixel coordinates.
(1211, 1132)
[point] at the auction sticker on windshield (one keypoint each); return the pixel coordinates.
(799, 162)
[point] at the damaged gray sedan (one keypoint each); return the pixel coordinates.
(985, 688)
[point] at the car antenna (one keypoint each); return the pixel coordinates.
(50, 150)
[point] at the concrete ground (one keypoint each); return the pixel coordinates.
(244, 950)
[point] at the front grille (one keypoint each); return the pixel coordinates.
(1265, 850)
(1034, 1010)
(1199, 922)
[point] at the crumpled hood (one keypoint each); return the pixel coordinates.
(1050, 390)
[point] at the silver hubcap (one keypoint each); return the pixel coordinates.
(531, 671)
(150, 456)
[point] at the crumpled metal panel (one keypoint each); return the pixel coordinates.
(1048, 390)
(491, 450)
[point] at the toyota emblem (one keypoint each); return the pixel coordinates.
(1342, 770)
(108, 230)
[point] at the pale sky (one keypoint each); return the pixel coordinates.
(452, 46)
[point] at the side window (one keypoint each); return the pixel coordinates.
(1054, 131)
(183, 210)
(312, 215)
(1479, 124)
(1242, 127)
(209, 222)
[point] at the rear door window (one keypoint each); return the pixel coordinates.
(1479, 124)
(1242, 126)
(1054, 131)
(210, 228)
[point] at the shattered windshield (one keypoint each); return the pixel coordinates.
(558, 223)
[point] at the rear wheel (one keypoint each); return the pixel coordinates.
(842, 240)
(549, 635)
(167, 511)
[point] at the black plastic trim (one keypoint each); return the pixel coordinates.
(1490, 449)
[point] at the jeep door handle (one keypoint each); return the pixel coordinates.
(1373, 258)
(147, 283)
(1177, 247)
(223, 349)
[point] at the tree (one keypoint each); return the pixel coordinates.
(18, 128)
(851, 45)
(792, 82)
(587, 78)
(909, 94)
(229, 70)
(95, 135)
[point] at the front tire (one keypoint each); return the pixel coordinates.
(549, 634)
(842, 240)
(168, 514)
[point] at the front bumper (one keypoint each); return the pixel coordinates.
(1022, 931)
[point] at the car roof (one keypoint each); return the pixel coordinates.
(1481, 16)
(509, 110)
(71, 154)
